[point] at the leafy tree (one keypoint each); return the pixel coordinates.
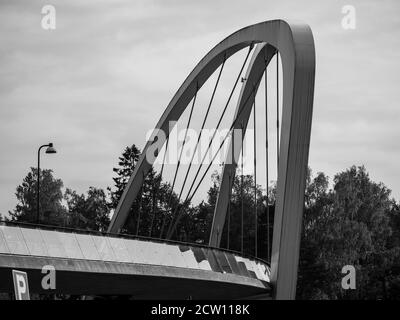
(88, 212)
(348, 225)
(51, 208)
(313, 275)
(356, 222)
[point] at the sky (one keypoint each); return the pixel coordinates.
(102, 78)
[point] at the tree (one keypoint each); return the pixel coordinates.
(51, 208)
(313, 276)
(89, 212)
(154, 202)
(354, 223)
(393, 276)
(235, 211)
(348, 225)
(127, 163)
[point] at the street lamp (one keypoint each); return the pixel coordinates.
(50, 149)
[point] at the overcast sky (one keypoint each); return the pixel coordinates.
(103, 77)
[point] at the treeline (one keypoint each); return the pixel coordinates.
(354, 222)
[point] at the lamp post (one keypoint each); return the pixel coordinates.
(50, 149)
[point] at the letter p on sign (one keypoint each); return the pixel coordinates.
(21, 286)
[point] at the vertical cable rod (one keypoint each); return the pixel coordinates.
(180, 157)
(231, 184)
(220, 119)
(190, 197)
(140, 204)
(159, 186)
(176, 212)
(255, 178)
(184, 139)
(229, 218)
(277, 112)
(196, 146)
(266, 161)
(241, 196)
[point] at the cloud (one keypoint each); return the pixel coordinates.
(103, 78)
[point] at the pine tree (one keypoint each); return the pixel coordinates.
(152, 202)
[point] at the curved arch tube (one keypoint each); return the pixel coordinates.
(296, 47)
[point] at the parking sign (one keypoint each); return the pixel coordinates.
(21, 287)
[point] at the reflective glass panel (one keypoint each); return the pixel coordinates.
(134, 248)
(222, 261)
(3, 243)
(190, 259)
(153, 252)
(15, 241)
(54, 245)
(87, 246)
(119, 248)
(104, 248)
(233, 263)
(34, 241)
(176, 254)
(71, 245)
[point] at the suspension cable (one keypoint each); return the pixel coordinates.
(229, 216)
(184, 139)
(241, 197)
(255, 179)
(222, 143)
(165, 154)
(201, 130)
(140, 209)
(159, 186)
(180, 156)
(153, 209)
(220, 119)
(165, 214)
(277, 110)
(231, 185)
(267, 159)
(212, 138)
(198, 141)
(189, 198)
(140, 205)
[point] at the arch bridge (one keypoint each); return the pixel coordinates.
(151, 267)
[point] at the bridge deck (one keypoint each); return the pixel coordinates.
(103, 264)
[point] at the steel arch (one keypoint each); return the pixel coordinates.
(295, 43)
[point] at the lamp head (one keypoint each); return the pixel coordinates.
(50, 148)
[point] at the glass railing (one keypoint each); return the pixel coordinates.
(45, 241)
